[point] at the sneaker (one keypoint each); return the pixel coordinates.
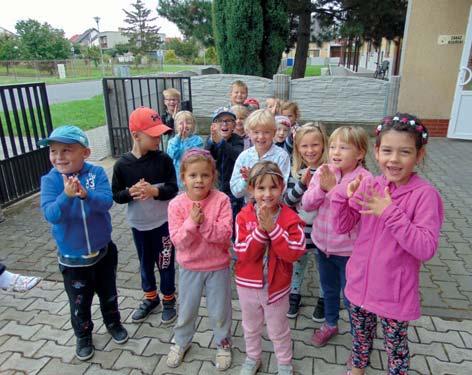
(318, 313)
(250, 366)
(84, 349)
(285, 369)
(22, 283)
(294, 301)
(169, 314)
(223, 359)
(176, 355)
(118, 333)
(144, 309)
(323, 335)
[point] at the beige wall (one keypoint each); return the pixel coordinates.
(430, 70)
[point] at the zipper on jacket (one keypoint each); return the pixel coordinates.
(84, 220)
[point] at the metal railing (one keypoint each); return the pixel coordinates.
(25, 118)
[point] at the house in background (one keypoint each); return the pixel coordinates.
(436, 66)
(86, 39)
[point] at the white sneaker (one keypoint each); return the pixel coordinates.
(250, 366)
(285, 369)
(223, 359)
(176, 355)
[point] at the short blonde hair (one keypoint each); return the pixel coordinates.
(290, 106)
(186, 115)
(173, 93)
(309, 128)
(240, 84)
(260, 117)
(353, 135)
(240, 110)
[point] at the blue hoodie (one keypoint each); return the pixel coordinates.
(81, 228)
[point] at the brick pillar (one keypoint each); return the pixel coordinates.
(281, 86)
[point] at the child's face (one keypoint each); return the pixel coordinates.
(291, 116)
(281, 133)
(198, 179)
(146, 142)
(311, 149)
(172, 103)
(238, 95)
(267, 191)
(344, 155)
(262, 137)
(67, 158)
(397, 156)
(239, 127)
(185, 127)
(271, 104)
(225, 124)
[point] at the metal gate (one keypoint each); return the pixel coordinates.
(123, 94)
(25, 118)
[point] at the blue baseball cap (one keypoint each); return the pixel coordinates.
(66, 134)
(222, 111)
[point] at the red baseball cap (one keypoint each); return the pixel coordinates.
(147, 120)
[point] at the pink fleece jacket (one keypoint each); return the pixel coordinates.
(383, 271)
(323, 234)
(203, 247)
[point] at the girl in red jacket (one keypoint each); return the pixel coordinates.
(269, 238)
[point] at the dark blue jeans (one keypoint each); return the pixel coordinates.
(332, 271)
(155, 249)
(81, 283)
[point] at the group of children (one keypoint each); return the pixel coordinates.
(272, 196)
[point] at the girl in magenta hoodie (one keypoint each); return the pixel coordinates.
(400, 216)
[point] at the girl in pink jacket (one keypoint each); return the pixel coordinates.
(347, 149)
(400, 216)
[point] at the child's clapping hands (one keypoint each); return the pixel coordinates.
(143, 190)
(327, 178)
(265, 219)
(372, 203)
(196, 213)
(73, 187)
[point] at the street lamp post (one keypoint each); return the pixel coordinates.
(97, 20)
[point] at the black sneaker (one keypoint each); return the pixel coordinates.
(294, 301)
(84, 349)
(318, 313)
(144, 309)
(118, 333)
(169, 314)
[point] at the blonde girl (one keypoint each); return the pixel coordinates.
(310, 151)
(269, 238)
(200, 226)
(346, 156)
(184, 139)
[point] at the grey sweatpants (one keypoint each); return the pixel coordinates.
(217, 286)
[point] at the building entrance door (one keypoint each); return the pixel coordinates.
(460, 125)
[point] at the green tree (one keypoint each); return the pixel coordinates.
(143, 37)
(92, 53)
(192, 17)
(186, 50)
(9, 50)
(41, 41)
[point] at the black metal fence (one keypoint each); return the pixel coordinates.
(123, 95)
(25, 118)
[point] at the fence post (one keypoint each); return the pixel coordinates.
(281, 86)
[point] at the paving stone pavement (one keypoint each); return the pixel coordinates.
(36, 336)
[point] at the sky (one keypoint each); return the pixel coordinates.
(74, 17)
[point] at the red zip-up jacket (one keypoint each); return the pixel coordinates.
(286, 244)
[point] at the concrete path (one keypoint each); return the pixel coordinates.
(36, 337)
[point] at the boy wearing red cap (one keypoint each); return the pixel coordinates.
(144, 178)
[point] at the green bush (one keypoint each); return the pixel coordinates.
(171, 58)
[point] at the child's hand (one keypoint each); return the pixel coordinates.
(73, 187)
(147, 191)
(81, 191)
(374, 204)
(353, 186)
(306, 178)
(245, 172)
(176, 109)
(215, 133)
(196, 214)
(327, 178)
(266, 219)
(183, 132)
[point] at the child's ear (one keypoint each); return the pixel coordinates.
(420, 155)
(87, 152)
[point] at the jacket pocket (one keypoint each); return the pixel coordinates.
(386, 287)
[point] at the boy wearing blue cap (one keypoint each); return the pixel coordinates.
(75, 198)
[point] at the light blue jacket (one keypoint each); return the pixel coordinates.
(176, 149)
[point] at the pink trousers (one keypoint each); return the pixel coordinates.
(255, 310)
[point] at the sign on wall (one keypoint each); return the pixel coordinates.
(450, 39)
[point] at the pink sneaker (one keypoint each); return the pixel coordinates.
(323, 335)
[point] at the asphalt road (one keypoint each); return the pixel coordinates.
(67, 92)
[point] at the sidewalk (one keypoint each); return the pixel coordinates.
(36, 337)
